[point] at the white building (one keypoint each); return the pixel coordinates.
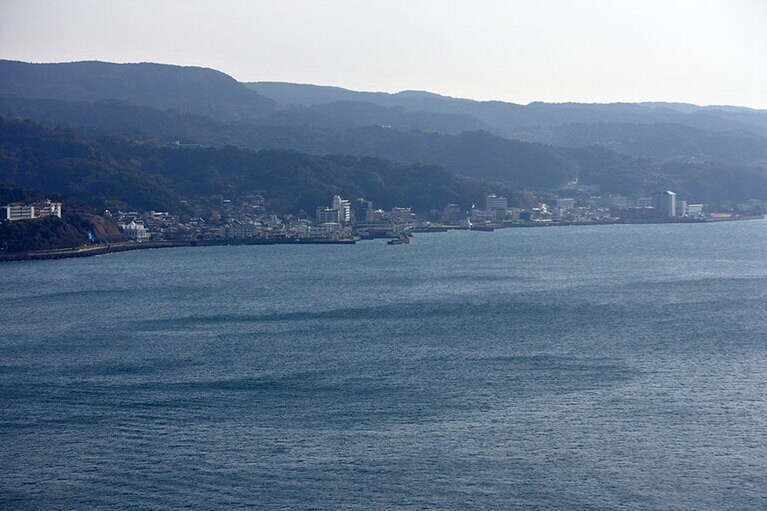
(340, 211)
(14, 212)
(695, 210)
(665, 202)
(136, 231)
(344, 208)
(242, 231)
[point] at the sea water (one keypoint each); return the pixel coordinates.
(582, 368)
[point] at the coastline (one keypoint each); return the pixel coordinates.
(94, 250)
(490, 227)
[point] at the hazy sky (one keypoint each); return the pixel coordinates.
(705, 52)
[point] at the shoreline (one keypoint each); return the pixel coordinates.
(653, 221)
(94, 250)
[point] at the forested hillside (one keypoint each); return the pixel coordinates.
(110, 172)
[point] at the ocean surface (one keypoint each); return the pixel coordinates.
(579, 368)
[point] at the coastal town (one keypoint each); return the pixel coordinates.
(246, 219)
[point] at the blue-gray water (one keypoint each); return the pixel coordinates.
(610, 367)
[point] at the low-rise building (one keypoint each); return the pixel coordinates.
(694, 210)
(328, 230)
(401, 215)
(565, 204)
(135, 230)
(453, 213)
(494, 202)
(482, 215)
(328, 215)
(242, 231)
(645, 202)
(19, 211)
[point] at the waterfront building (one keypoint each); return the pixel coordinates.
(512, 214)
(665, 203)
(242, 231)
(482, 215)
(401, 215)
(328, 215)
(494, 202)
(340, 211)
(645, 202)
(643, 214)
(344, 209)
(453, 213)
(300, 228)
(694, 210)
(136, 230)
(328, 230)
(363, 210)
(565, 204)
(619, 201)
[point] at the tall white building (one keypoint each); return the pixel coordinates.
(344, 208)
(665, 202)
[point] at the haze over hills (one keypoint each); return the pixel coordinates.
(714, 154)
(509, 118)
(478, 154)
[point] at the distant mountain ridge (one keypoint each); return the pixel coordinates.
(507, 119)
(195, 90)
(712, 153)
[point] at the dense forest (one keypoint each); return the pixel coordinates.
(111, 172)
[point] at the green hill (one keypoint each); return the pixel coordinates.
(119, 173)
